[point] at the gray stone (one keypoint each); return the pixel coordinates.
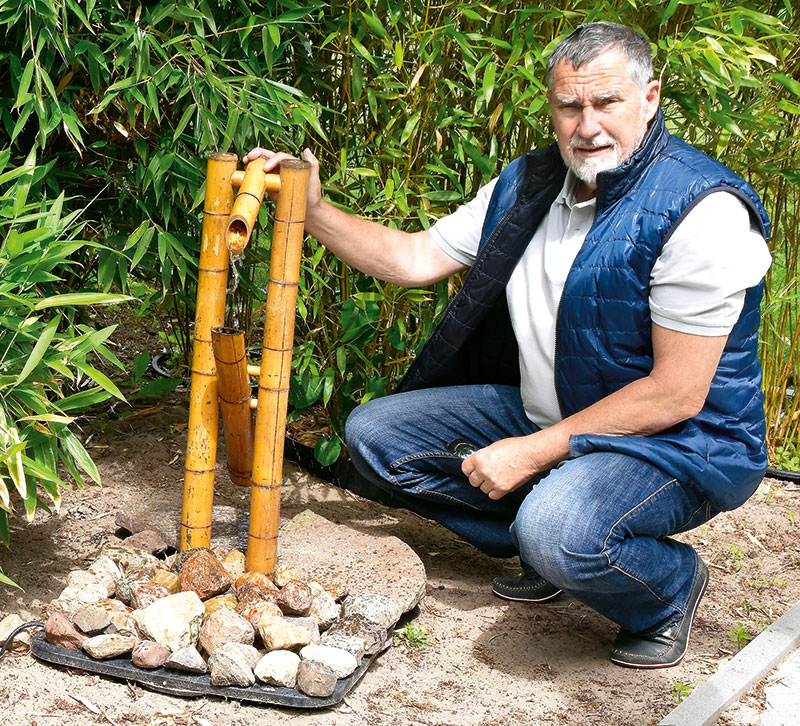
(381, 610)
(187, 659)
(108, 646)
(339, 661)
(132, 559)
(128, 581)
(229, 666)
(149, 540)
(278, 634)
(149, 654)
(225, 626)
(325, 609)
(173, 621)
(351, 643)
(315, 679)
(278, 668)
(373, 635)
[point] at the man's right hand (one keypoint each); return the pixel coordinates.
(274, 158)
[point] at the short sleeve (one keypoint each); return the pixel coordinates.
(459, 234)
(698, 283)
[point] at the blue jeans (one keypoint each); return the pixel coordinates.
(597, 526)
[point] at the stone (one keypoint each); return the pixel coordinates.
(373, 635)
(204, 574)
(229, 666)
(74, 597)
(149, 654)
(146, 593)
(235, 563)
(315, 679)
(307, 622)
(91, 619)
(108, 615)
(351, 643)
(221, 601)
(173, 621)
(8, 624)
(225, 626)
(254, 611)
(277, 634)
(108, 646)
(278, 668)
(104, 564)
(325, 609)
(295, 598)
(339, 661)
(380, 565)
(255, 583)
(87, 577)
(61, 632)
(168, 579)
(149, 540)
(187, 659)
(132, 559)
(287, 573)
(336, 586)
(378, 609)
(181, 557)
(127, 581)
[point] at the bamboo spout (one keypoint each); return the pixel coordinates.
(273, 388)
(252, 187)
(212, 279)
(233, 387)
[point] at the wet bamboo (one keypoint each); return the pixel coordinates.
(276, 359)
(201, 447)
(233, 388)
(248, 201)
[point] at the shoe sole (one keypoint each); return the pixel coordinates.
(685, 650)
(528, 599)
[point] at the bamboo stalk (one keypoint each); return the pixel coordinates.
(276, 359)
(233, 387)
(248, 201)
(201, 447)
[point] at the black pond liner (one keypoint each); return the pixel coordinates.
(783, 475)
(176, 683)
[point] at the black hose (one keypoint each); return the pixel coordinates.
(783, 475)
(19, 629)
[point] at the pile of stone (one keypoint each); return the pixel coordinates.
(200, 612)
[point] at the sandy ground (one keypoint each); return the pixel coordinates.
(487, 661)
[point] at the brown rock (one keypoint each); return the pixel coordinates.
(221, 601)
(235, 563)
(204, 574)
(106, 614)
(257, 580)
(315, 679)
(225, 626)
(148, 540)
(169, 580)
(311, 624)
(61, 632)
(146, 593)
(128, 580)
(132, 559)
(277, 634)
(135, 522)
(180, 558)
(108, 646)
(295, 598)
(335, 585)
(149, 654)
(287, 573)
(231, 666)
(254, 611)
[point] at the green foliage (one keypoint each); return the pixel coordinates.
(680, 691)
(740, 636)
(413, 636)
(48, 372)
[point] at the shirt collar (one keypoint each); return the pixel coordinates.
(568, 190)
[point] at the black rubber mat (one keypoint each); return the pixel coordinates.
(177, 683)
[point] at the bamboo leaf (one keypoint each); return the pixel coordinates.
(42, 344)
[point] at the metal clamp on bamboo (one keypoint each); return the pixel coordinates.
(252, 187)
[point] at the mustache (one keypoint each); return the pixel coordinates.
(594, 143)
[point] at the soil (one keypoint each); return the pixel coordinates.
(486, 661)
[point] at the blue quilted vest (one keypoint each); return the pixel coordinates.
(603, 326)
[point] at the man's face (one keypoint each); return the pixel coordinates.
(600, 115)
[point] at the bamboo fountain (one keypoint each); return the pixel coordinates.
(219, 364)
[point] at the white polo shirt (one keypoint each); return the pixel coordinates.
(697, 285)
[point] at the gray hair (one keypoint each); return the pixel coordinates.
(590, 40)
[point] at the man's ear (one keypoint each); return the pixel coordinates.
(652, 97)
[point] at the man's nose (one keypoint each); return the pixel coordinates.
(589, 125)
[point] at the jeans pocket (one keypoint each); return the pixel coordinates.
(705, 511)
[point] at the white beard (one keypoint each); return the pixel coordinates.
(587, 169)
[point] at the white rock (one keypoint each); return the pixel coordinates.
(87, 577)
(108, 646)
(351, 643)
(104, 564)
(277, 634)
(278, 668)
(173, 621)
(187, 659)
(339, 661)
(74, 597)
(230, 666)
(378, 609)
(325, 609)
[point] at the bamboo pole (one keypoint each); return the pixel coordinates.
(248, 201)
(201, 447)
(233, 388)
(276, 359)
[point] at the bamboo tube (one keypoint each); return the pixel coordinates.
(233, 388)
(201, 447)
(248, 201)
(276, 359)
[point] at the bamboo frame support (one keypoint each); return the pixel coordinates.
(233, 387)
(252, 187)
(201, 447)
(273, 387)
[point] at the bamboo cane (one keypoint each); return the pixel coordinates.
(233, 387)
(276, 359)
(248, 201)
(201, 447)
